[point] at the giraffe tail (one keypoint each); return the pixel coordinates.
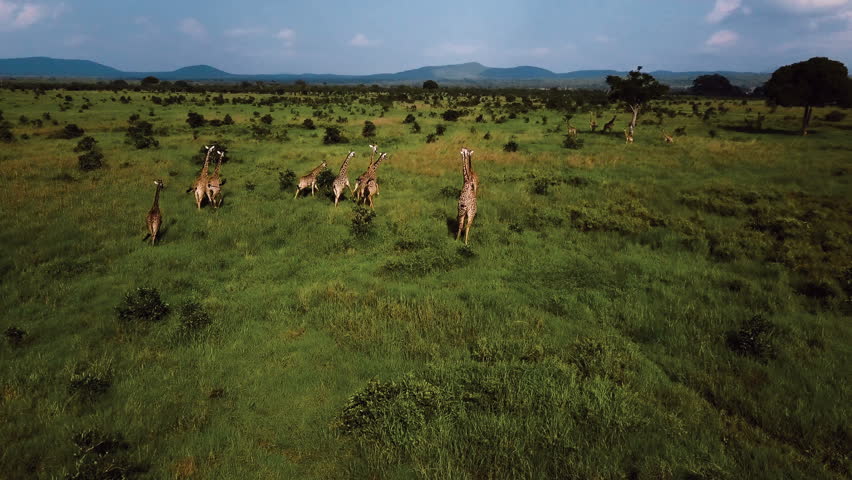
(190, 189)
(146, 237)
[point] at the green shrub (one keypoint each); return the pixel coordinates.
(141, 135)
(86, 144)
(325, 179)
(89, 161)
(369, 129)
(754, 339)
(573, 142)
(431, 138)
(452, 115)
(512, 146)
(102, 457)
(286, 180)
(88, 385)
(362, 220)
(409, 119)
(333, 136)
(193, 318)
(142, 305)
(70, 131)
(195, 120)
(309, 124)
(15, 336)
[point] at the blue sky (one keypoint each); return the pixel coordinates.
(370, 36)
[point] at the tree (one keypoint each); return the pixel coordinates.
(369, 129)
(430, 85)
(714, 85)
(635, 91)
(814, 83)
(150, 80)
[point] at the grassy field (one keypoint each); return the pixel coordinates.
(622, 311)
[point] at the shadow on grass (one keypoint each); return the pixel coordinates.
(766, 131)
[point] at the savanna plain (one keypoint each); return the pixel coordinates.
(645, 310)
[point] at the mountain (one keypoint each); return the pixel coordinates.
(471, 73)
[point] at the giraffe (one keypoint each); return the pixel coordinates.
(467, 199)
(200, 185)
(608, 125)
(342, 179)
(155, 216)
(371, 187)
(214, 184)
(362, 179)
(474, 178)
(668, 138)
(593, 124)
(628, 137)
(310, 180)
(572, 130)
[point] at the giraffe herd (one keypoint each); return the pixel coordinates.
(366, 185)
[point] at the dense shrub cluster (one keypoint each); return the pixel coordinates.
(142, 305)
(286, 180)
(140, 134)
(362, 220)
(91, 157)
(333, 136)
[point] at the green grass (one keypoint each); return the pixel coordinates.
(601, 324)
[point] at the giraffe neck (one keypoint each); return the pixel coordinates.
(218, 167)
(157, 197)
(206, 166)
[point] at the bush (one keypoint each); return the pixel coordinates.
(228, 120)
(487, 136)
(86, 144)
(431, 138)
(195, 120)
(409, 119)
(573, 142)
(142, 305)
(440, 129)
(834, 116)
(221, 145)
(325, 179)
(15, 336)
(430, 85)
(369, 129)
(88, 385)
(286, 180)
(333, 136)
(754, 339)
(140, 135)
(415, 127)
(266, 119)
(70, 131)
(540, 186)
(193, 318)
(309, 124)
(452, 115)
(512, 146)
(102, 457)
(89, 161)
(6, 135)
(362, 220)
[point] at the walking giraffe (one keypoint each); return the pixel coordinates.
(342, 179)
(214, 184)
(371, 188)
(608, 125)
(474, 178)
(467, 198)
(200, 185)
(310, 180)
(361, 181)
(155, 215)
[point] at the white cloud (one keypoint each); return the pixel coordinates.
(288, 35)
(361, 40)
(456, 49)
(245, 32)
(722, 38)
(722, 10)
(810, 6)
(17, 15)
(193, 28)
(601, 38)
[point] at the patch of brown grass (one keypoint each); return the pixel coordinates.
(185, 467)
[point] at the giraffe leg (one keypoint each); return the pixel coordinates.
(467, 229)
(461, 225)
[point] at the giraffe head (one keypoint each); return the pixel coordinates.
(159, 184)
(351, 154)
(374, 148)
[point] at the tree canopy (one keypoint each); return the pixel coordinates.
(816, 82)
(430, 85)
(714, 85)
(813, 83)
(635, 91)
